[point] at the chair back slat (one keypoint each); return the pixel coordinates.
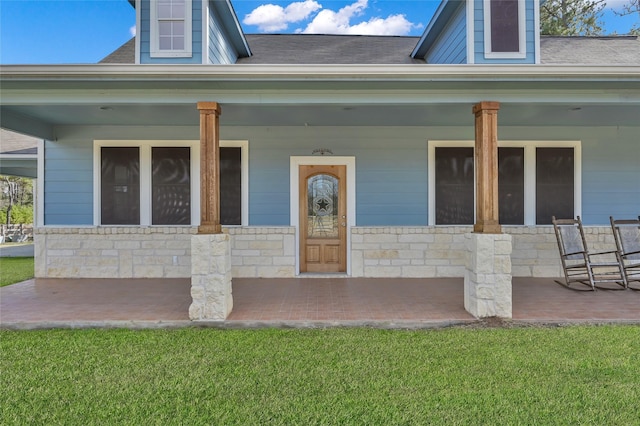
(630, 241)
(572, 242)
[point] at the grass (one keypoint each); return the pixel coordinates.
(456, 376)
(15, 269)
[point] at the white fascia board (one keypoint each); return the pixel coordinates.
(138, 7)
(334, 96)
(160, 73)
(18, 156)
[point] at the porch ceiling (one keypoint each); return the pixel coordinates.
(37, 99)
(511, 114)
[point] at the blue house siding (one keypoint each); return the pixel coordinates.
(611, 179)
(391, 168)
(221, 50)
(393, 192)
(451, 45)
(68, 183)
(145, 36)
(478, 34)
(389, 192)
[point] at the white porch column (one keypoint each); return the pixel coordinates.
(210, 277)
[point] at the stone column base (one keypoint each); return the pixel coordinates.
(487, 279)
(210, 277)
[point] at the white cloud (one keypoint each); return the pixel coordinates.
(330, 22)
(271, 17)
(132, 31)
(392, 25)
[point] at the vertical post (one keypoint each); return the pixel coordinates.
(487, 278)
(209, 168)
(486, 164)
(211, 294)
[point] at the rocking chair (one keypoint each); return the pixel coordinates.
(578, 263)
(627, 235)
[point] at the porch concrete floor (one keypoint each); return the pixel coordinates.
(281, 302)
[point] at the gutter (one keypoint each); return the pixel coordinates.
(319, 72)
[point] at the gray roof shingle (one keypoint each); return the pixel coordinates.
(618, 50)
(356, 49)
(329, 49)
(125, 54)
(17, 144)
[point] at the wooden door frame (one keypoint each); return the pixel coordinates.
(350, 164)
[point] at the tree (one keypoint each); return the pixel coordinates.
(633, 7)
(572, 17)
(17, 191)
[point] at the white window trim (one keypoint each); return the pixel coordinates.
(154, 33)
(536, 25)
(145, 177)
(522, 34)
(471, 25)
(205, 31)
(529, 173)
(138, 27)
(38, 201)
(294, 173)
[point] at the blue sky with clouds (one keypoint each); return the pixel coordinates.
(85, 31)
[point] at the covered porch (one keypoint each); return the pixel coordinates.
(318, 302)
(384, 120)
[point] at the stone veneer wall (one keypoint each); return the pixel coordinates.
(263, 252)
(270, 252)
(440, 251)
(113, 252)
(410, 252)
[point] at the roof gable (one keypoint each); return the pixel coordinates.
(438, 23)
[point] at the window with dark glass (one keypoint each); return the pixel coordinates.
(511, 186)
(554, 184)
(120, 185)
(230, 186)
(454, 186)
(505, 32)
(171, 186)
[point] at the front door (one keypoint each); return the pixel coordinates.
(323, 218)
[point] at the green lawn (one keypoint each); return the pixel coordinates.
(197, 376)
(15, 269)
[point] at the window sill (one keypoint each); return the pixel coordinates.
(171, 54)
(505, 55)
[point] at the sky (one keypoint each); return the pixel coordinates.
(85, 31)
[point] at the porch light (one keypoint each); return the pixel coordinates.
(322, 151)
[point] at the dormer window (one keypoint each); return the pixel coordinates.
(170, 28)
(504, 29)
